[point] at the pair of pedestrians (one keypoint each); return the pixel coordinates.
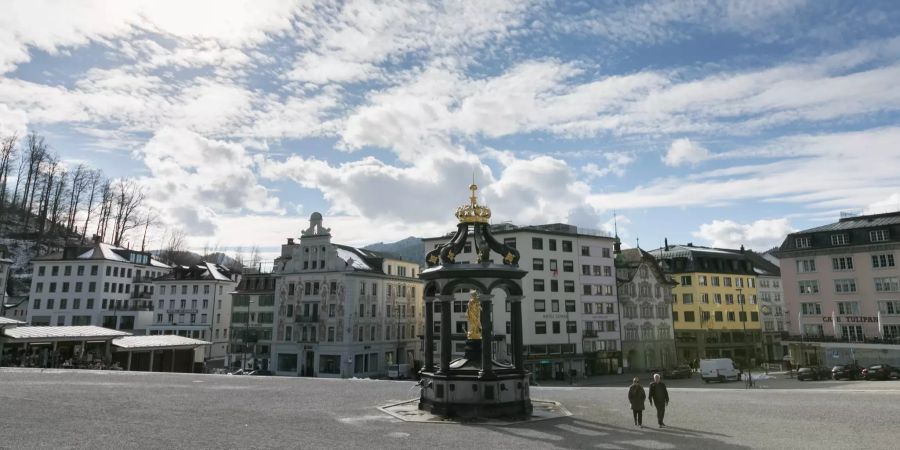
(659, 397)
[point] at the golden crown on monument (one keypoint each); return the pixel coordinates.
(473, 212)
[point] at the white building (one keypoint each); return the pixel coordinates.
(341, 311)
(252, 322)
(195, 302)
(770, 292)
(570, 315)
(97, 284)
(645, 299)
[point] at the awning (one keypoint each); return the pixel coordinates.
(51, 334)
(157, 342)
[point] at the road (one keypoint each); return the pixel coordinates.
(82, 409)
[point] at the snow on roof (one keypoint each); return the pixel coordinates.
(352, 259)
(8, 321)
(76, 332)
(214, 272)
(156, 263)
(158, 341)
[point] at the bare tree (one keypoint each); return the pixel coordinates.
(150, 220)
(7, 155)
(173, 246)
(106, 204)
(95, 180)
(57, 204)
(80, 182)
(255, 259)
(129, 197)
(46, 194)
(37, 153)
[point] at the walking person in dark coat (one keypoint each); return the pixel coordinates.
(659, 397)
(637, 397)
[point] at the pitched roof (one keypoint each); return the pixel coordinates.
(62, 333)
(156, 342)
(4, 321)
(851, 223)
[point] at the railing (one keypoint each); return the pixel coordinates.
(132, 307)
(306, 319)
(141, 279)
(182, 311)
(590, 333)
(135, 294)
(865, 340)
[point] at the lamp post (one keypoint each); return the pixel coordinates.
(744, 326)
(246, 335)
(569, 345)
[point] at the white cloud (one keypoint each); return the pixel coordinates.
(889, 204)
(616, 162)
(12, 121)
(759, 235)
(823, 171)
(193, 179)
(685, 151)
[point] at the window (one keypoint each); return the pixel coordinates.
(685, 280)
(554, 285)
(878, 235)
(585, 250)
(509, 242)
(809, 286)
(891, 307)
(540, 306)
(554, 305)
(540, 327)
(54, 271)
(568, 266)
(701, 280)
(810, 308)
(806, 265)
(537, 243)
(687, 299)
(839, 239)
(729, 299)
(704, 298)
(570, 305)
(887, 284)
(568, 286)
(717, 298)
(726, 281)
(571, 327)
(552, 244)
(848, 308)
(537, 264)
(842, 263)
(883, 260)
(718, 316)
(845, 286)
(555, 326)
(94, 270)
(605, 252)
(689, 316)
(567, 246)
(802, 242)
(539, 285)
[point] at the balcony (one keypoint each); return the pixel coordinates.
(306, 319)
(141, 279)
(138, 306)
(139, 295)
(590, 333)
(182, 311)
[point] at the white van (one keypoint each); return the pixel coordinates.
(398, 371)
(719, 369)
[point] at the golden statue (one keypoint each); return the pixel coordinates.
(473, 312)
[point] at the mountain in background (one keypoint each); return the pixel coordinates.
(411, 249)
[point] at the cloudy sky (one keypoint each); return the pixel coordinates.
(714, 122)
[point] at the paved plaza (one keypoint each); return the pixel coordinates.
(84, 409)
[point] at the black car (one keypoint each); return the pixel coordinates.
(813, 373)
(848, 371)
(681, 371)
(880, 372)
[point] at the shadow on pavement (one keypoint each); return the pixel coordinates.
(578, 433)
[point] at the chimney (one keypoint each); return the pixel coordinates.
(690, 244)
(666, 244)
(290, 241)
(742, 248)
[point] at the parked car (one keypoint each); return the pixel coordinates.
(848, 371)
(813, 373)
(681, 371)
(880, 372)
(718, 369)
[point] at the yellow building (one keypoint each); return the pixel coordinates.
(715, 310)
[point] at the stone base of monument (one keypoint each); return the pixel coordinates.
(467, 390)
(409, 411)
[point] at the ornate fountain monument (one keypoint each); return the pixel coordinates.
(474, 385)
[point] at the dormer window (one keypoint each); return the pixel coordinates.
(802, 242)
(840, 239)
(878, 236)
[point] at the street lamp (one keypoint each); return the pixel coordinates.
(246, 335)
(744, 326)
(569, 345)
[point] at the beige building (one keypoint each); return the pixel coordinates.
(842, 291)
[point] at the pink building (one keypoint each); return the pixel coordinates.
(842, 291)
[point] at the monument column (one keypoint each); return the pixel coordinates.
(429, 334)
(516, 329)
(487, 336)
(446, 345)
